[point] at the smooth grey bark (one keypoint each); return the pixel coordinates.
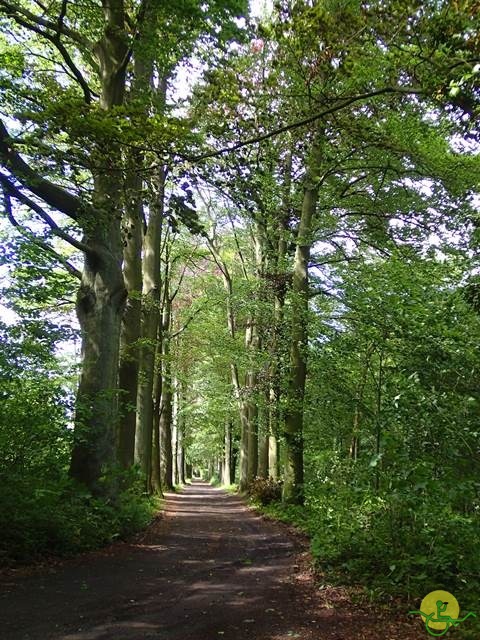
(278, 260)
(150, 325)
(262, 456)
(293, 425)
(175, 470)
(227, 455)
(273, 457)
(181, 461)
(263, 439)
(132, 262)
(179, 454)
(101, 297)
(130, 333)
(180, 422)
(157, 400)
(166, 411)
(252, 342)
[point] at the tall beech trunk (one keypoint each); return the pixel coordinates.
(150, 324)
(101, 297)
(100, 304)
(273, 457)
(262, 471)
(180, 456)
(132, 265)
(175, 472)
(234, 457)
(227, 455)
(130, 334)
(156, 481)
(293, 426)
(263, 438)
(251, 340)
(244, 429)
(166, 411)
(278, 259)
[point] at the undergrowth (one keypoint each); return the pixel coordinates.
(54, 517)
(394, 545)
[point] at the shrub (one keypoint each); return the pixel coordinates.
(42, 517)
(265, 490)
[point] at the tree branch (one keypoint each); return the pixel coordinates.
(12, 9)
(56, 230)
(187, 322)
(301, 123)
(55, 196)
(55, 40)
(172, 297)
(33, 238)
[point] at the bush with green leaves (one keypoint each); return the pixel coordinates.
(42, 512)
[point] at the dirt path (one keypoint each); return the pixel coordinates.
(209, 569)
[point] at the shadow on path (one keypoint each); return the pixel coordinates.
(210, 569)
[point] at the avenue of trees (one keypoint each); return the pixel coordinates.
(246, 246)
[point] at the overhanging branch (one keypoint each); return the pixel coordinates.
(54, 38)
(13, 9)
(35, 239)
(301, 123)
(13, 191)
(55, 196)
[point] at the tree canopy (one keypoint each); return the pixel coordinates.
(272, 282)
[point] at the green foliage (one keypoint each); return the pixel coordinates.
(392, 492)
(42, 512)
(48, 515)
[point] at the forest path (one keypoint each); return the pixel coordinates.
(209, 569)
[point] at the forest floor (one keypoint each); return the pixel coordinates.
(208, 568)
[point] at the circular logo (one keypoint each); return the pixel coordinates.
(440, 604)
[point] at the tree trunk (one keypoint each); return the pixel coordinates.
(251, 340)
(157, 400)
(100, 304)
(273, 457)
(227, 459)
(130, 334)
(176, 474)
(293, 427)
(102, 295)
(263, 443)
(277, 349)
(180, 454)
(180, 436)
(166, 411)
(244, 431)
(234, 458)
(132, 270)
(150, 324)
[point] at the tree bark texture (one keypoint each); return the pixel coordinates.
(293, 426)
(102, 294)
